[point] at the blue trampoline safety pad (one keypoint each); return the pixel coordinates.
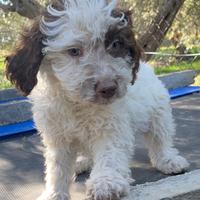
(28, 126)
(18, 128)
(183, 91)
(12, 100)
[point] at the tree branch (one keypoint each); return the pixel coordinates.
(152, 39)
(25, 8)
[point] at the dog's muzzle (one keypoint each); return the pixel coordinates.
(106, 89)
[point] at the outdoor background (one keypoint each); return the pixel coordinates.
(165, 26)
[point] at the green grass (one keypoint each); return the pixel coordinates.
(172, 49)
(4, 83)
(178, 67)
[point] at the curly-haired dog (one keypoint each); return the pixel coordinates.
(81, 65)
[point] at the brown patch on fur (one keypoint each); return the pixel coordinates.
(128, 45)
(23, 64)
(118, 13)
(58, 4)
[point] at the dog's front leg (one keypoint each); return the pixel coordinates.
(59, 160)
(110, 174)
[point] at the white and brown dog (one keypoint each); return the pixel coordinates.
(79, 64)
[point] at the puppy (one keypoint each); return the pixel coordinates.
(81, 66)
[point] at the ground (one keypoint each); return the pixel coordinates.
(21, 161)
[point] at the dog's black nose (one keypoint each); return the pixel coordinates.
(106, 89)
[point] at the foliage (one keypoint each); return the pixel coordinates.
(10, 27)
(4, 83)
(187, 23)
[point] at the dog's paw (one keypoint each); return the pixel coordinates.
(172, 165)
(53, 196)
(107, 188)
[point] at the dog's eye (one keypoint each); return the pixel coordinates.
(116, 45)
(75, 52)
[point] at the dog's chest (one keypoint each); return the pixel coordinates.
(90, 124)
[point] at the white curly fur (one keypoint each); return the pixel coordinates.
(70, 122)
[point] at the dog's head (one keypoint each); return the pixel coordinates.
(90, 48)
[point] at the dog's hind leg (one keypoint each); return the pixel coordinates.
(159, 141)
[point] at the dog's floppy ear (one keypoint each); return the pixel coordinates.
(137, 55)
(137, 50)
(23, 63)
